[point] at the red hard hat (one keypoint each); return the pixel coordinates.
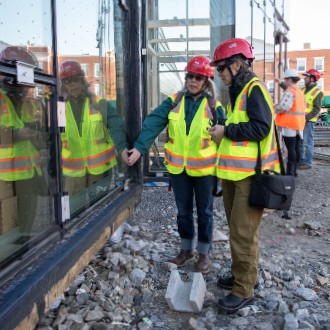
(230, 48)
(314, 73)
(200, 65)
(13, 53)
(69, 69)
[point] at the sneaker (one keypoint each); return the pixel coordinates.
(231, 303)
(227, 283)
(203, 264)
(183, 257)
(304, 167)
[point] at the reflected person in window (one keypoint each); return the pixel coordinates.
(23, 140)
(94, 132)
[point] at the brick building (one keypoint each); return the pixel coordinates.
(319, 59)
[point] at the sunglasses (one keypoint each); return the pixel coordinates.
(192, 76)
(222, 67)
(68, 81)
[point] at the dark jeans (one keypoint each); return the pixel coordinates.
(293, 146)
(185, 187)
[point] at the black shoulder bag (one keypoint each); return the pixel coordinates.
(270, 189)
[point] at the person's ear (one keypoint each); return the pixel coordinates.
(236, 66)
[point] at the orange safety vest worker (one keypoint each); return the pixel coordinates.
(19, 160)
(295, 118)
(195, 152)
(91, 152)
(310, 96)
(237, 160)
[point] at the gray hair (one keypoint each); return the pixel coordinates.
(209, 88)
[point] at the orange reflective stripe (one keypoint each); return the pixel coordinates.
(101, 158)
(73, 163)
(240, 144)
(174, 160)
(246, 164)
(17, 163)
(200, 163)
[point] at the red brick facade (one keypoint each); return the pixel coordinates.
(310, 56)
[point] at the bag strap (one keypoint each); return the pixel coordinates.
(258, 165)
(211, 101)
(280, 157)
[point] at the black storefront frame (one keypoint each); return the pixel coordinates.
(25, 288)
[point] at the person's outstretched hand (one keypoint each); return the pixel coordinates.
(124, 155)
(133, 157)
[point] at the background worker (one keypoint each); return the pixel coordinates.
(290, 119)
(94, 132)
(314, 98)
(190, 156)
(250, 121)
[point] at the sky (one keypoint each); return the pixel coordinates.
(309, 22)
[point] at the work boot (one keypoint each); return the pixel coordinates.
(227, 283)
(183, 257)
(203, 264)
(304, 167)
(231, 303)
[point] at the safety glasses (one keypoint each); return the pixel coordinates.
(192, 76)
(222, 67)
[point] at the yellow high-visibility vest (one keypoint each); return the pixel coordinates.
(19, 160)
(94, 151)
(310, 96)
(237, 160)
(195, 152)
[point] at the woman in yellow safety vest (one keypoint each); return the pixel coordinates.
(88, 150)
(250, 121)
(190, 156)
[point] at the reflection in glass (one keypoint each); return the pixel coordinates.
(26, 203)
(93, 135)
(94, 138)
(27, 24)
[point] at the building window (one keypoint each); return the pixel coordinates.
(320, 84)
(301, 83)
(319, 63)
(84, 68)
(97, 89)
(301, 64)
(96, 69)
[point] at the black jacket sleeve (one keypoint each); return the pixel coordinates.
(260, 119)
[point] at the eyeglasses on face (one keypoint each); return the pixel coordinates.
(197, 77)
(222, 67)
(71, 80)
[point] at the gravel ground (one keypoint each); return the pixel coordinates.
(124, 286)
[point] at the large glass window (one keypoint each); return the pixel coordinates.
(27, 165)
(94, 136)
(28, 24)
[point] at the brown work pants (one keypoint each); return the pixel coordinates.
(244, 222)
